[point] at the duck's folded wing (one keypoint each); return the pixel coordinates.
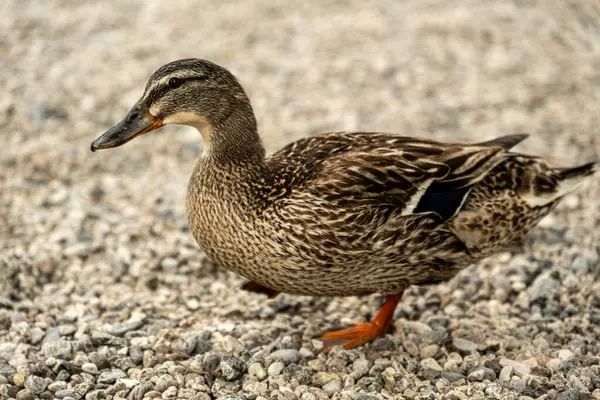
(411, 177)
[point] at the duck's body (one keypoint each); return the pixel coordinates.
(331, 215)
(344, 214)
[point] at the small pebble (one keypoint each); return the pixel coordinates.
(64, 393)
(257, 370)
(287, 356)
(275, 368)
(122, 328)
(26, 394)
(332, 387)
(232, 368)
(565, 354)
(89, 368)
(506, 373)
(465, 346)
(36, 384)
(430, 363)
(519, 368)
(164, 382)
(57, 386)
(18, 380)
(110, 377)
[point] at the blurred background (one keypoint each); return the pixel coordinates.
(93, 239)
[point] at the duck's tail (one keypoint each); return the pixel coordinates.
(570, 178)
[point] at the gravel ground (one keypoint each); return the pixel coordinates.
(103, 292)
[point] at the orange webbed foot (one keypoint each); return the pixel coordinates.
(363, 333)
(353, 337)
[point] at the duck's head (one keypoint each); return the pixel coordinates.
(191, 92)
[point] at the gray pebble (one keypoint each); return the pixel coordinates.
(580, 264)
(67, 329)
(58, 349)
(138, 392)
(63, 375)
(429, 350)
(452, 376)
(519, 368)
(52, 334)
(481, 374)
(434, 336)
(232, 368)
(493, 391)
(170, 393)
(110, 377)
(332, 387)
(287, 356)
(275, 368)
(7, 349)
(136, 354)
(26, 394)
(323, 378)
(149, 360)
(7, 370)
(506, 373)
(569, 394)
(430, 363)
(464, 345)
(56, 386)
(210, 361)
(90, 368)
(60, 394)
(383, 343)
(100, 338)
(565, 354)
(257, 370)
(203, 346)
(97, 394)
(568, 365)
(81, 389)
(169, 263)
(36, 384)
(122, 328)
(36, 335)
(361, 368)
(544, 287)
(517, 384)
(231, 398)
(164, 382)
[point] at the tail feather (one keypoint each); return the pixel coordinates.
(570, 178)
(579, 172)
(506, 142)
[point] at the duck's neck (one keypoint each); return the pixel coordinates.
(232, 141)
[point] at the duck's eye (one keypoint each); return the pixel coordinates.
(174, 83)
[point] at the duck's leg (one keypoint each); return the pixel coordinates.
(364, 333)
(257, 288)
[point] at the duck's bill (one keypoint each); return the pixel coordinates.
(134, 124)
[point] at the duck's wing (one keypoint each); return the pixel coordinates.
(362, 170)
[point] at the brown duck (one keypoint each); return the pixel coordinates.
(343, 213)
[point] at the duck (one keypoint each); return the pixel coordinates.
(341, 213)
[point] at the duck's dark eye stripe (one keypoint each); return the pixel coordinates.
(173, 83)
(181, 81)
